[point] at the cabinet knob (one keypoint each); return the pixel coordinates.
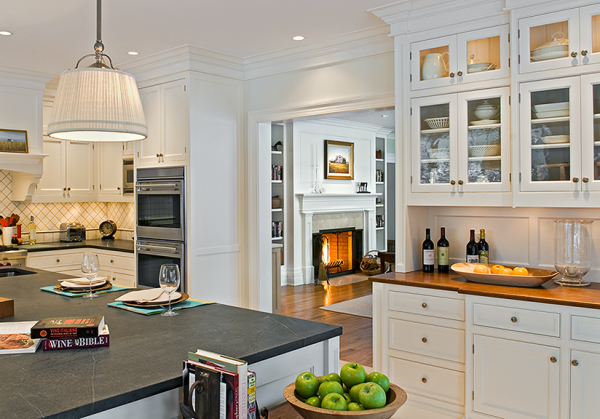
(585, 180)
(460, 182)
(157, 155)
(452, 182)
(68, 189)
(451, 74)
(424, 305)
(424, 340)
(64, 189)
(574, 54)
(424, 380)
(118, 188)
(575, 362)
(460, 73)
(513, 319)
(553, 359)
(112, 261)
(584, 52)
(575, 180)
(57, 260)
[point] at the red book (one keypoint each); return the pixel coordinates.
(68, 327)
(55, 344)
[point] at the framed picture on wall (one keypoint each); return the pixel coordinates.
(13, 141)
(339, 160)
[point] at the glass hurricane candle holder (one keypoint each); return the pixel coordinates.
(572, 251)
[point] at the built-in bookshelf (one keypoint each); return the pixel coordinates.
(277, 184)
(381, 187)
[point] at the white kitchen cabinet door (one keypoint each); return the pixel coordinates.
(110, 171)
(515, 380)
(585, 385)
(590, 132)
(80, 171)
(128, 148)
(478, 48)
(589, 42)
(52, 183)
(147, 150)
(175, 122)
(439, 53)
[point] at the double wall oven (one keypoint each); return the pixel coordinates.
(160, 222)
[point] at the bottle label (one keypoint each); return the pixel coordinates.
(484, 256)
(428, 257)
(31, 234)
(443, 255)
(472, 258)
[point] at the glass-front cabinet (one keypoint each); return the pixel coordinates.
(461, 142)
(558, 40)
(463, 58)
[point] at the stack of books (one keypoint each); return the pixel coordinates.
(71, 332)
(219, 387)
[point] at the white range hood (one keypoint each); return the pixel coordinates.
(25, 170)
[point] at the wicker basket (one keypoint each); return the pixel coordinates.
(435, 123)
(370, 263)
(484, 150)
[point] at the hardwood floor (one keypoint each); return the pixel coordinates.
(356, 342)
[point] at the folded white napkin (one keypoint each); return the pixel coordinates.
(83, 281)
(152, 295)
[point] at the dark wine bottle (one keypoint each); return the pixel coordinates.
(484, 248)
(472, 249)
(428, 252)
(443, 252)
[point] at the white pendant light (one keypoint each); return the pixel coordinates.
(97, 103)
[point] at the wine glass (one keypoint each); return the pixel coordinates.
(169, 279)
(90, 265)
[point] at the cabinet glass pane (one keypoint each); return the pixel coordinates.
(434, 62)
(549, 42)
(595, 33)
(596, 95)
(484, 140)
(483, 55)
(550, 142)
(435, 144)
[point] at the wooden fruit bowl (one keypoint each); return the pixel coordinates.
(395, 398)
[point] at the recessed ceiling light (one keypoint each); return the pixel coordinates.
(133, 53)
(298, 38)
(5, 33)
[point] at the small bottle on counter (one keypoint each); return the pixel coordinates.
(484, 248)
(14, 240)
(443, 252)
(472, 249)
(32, 228)
(428, 252)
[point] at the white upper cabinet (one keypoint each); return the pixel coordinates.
(463, 58)
(110, 177)
(80, 171)
(564, 39)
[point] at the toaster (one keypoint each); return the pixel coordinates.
(72, 232)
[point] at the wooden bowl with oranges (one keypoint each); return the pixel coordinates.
(513, 276)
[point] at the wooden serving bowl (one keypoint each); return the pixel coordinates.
(395, 398)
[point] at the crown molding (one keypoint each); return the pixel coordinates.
(22, 77)
(343, 123)
(352, 46)
(548, 5)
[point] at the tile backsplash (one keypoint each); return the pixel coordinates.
(48, 217)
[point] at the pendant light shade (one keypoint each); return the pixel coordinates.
(97, 104)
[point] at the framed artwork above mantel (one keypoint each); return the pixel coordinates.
(339, 160)
(13, 141)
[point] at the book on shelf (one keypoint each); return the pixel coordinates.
(15, 338)
(233, 369)
(252, 407)
(67, 327)
(55, 344)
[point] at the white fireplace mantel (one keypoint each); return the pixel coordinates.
(310, 204)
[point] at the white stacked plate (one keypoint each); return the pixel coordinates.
(550, 52)
(485, 122)
(478, 67)
(551, 110)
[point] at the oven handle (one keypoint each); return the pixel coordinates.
(153, 186)
(149, 248)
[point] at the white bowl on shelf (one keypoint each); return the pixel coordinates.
(487, 150)
(555, 139)
(437, 123)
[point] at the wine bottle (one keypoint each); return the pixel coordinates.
(32, 228)
(472, 249)
(443, 252)
(428, 252)
(484, 248)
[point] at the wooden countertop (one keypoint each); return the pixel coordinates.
(549, 292)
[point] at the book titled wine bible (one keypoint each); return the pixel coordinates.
(68, 327)
(55, 344)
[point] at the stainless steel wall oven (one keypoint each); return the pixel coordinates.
(151, 254)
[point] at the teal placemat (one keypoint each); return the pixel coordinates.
(81, 294)
(189, 303)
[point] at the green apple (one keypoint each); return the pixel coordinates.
(354, 392)
(352, 374)
(345, 388)
(379, 378)
(347, 397)
(314, 401)
(330, 377)
(334, 401)
(307, 385)
(329, 387)
(355, 407)
(372, 396)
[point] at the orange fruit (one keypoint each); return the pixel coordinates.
(520, 271)
(506, 271)
(481, 269)
(496, 269)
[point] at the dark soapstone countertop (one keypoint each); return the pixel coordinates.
(145, 354)
(116, 245)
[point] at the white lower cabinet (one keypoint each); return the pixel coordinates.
(585, 385)
(67, 262)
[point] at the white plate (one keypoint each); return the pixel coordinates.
(551, 106)
(486, 122)
(552, 114)
(150, 294)
(549, 48)
(82, 283)
(550, 56)
(477, 67)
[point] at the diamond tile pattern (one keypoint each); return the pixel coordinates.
(48, 217)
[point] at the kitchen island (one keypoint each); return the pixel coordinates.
(139, 375)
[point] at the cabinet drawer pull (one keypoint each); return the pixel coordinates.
(584, 52)
(574, 54)
(513, 319)
(553, 359)
(424, 340)
(424, 380)
(575, 362)
(424, 305)
(57, 260)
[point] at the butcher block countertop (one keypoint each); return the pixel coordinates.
(548, 293)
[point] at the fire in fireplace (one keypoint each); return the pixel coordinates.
(339, 250)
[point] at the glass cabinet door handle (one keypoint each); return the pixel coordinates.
(575, 362)
(574, 54)
(460, 73)
(451, 74)
(584, 52)
(585, 180)
(575, 180)
(553, 359)
(460, 182)
(452, 182)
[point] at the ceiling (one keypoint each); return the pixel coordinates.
(50, 36)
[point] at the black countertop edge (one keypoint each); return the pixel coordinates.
(125, 246)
